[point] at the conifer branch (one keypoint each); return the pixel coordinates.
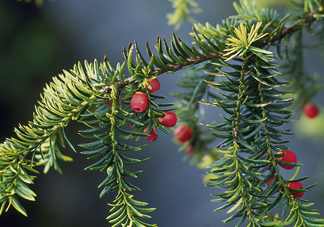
(236, 60)
(306, 20)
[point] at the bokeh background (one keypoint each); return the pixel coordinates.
(37, 43)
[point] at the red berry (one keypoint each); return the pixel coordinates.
(154, 85)
(311, 110)
(153, 136)
(268, 159)
(107, 100)
(183, 133)
(169, 120)
(296, 185)
(270, 181)
(188, 149)
(288, 157)
(139, 102)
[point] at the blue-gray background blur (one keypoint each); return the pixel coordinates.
(37, 43)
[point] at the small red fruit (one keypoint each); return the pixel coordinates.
(107, 100)
(311, 110)
(270, 181)
(154, 85)
(188, 149)
(296, 185)
(268, 159)
(183, 133)
(288, 157)
(169, 120)
(139, 102)
(153, 136)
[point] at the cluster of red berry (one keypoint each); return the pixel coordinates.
(289, 157)
(169, 120)
(139, 103)
(311, 111)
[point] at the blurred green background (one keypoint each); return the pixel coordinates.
(37, 43)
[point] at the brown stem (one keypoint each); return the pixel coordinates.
(305, 21)
(190, 61)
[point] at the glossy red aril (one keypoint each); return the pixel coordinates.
(296, 185)
(288, 157)
(270, 181)
(154, 85)
(107, 100)
(153, 135)
(183, 133)
(268, 159)
(139, 102)
(311, 110)
(169, 120)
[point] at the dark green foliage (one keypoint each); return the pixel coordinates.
(182, 9)
(255, 108)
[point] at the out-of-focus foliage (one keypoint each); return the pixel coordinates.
(312, 129)
(30, 52)
(182, 11)
(277, 4)
(38, 3)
